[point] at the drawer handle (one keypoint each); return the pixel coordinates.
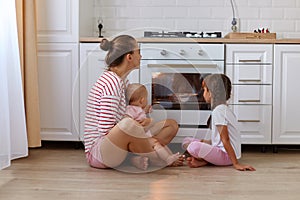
(249, 61)
(250, 100)
(249, 80)
(248, 120)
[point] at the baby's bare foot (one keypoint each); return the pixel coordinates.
(175, 160)
(194, 162)
(140, 162)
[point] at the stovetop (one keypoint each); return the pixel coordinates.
(184, 34)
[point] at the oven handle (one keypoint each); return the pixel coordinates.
(208, 66)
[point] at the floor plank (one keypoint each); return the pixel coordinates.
(60, 172)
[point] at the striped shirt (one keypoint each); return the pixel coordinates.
(106, 105)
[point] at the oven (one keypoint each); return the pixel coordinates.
(173, 74)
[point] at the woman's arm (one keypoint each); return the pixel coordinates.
(228, 147)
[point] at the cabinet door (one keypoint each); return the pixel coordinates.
(58, 20)
(286, 114)
(92, 65)
(254, 123)
(58, 70)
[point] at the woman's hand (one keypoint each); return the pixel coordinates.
(146, 121)
(241, 167)
(148, 109)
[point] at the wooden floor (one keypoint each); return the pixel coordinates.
(58, 173)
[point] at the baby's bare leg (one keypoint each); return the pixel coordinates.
(166, 155)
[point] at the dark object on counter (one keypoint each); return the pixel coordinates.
(185, 34)
(100, 26)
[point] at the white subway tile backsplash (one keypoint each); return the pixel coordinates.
(212, 2)
(151, 12)
(199, 12)
(284, 25)
(260, 4)
(135, 16)
(271, 13)
(175, 12)
(128, 12)
(284, 3)
(292, 13)
(164, 3)
(221, 13)
(188, 3)
(248, 13)
(180, 24)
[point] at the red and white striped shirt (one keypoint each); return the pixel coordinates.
(106, 105)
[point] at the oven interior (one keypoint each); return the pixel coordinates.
(178, 91)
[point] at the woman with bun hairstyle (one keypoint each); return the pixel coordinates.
(108, 134)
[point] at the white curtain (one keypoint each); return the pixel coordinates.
(13, 137)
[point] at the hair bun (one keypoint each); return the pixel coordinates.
(105, 44)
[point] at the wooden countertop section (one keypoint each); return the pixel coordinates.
(202, 40)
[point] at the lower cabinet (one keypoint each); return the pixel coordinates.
(286, 95)
(58, 91)
(250, 68)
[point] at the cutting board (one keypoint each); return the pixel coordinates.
(239, 35)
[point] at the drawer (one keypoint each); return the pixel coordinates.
(254, 123)
(249, 54)
(250, 74)
(251, 94)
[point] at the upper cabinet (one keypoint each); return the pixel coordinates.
(286, 109)
(58, 20)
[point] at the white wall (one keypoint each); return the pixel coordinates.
(135, 16)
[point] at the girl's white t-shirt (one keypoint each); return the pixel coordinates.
(222, 115)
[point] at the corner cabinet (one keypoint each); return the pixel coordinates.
(58, 49)
(286, 115)
(250, 68)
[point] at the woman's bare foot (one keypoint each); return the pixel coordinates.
(175, 160)
(194, 162)
(140, 162)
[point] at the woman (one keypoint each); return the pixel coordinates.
(108, 136)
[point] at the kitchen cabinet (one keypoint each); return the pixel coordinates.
(58, 49)
(58, 93)
(250, 68)
(286, 115)
(57, 21)
(92, 65)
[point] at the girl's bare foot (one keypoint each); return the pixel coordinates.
(175, 160)
(140, 162)
(194, 162)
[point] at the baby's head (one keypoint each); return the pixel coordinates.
(136, 94)
(219, 85)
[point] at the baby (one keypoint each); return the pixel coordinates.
(137, 109)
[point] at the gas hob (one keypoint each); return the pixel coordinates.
(184, 34)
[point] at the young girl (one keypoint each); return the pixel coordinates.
(224, 148)
(137, 108)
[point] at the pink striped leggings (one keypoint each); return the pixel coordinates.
(209, 153)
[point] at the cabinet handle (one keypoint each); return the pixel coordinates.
(250, 100)
(249, 80)
(250, 61)
(248, 120)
